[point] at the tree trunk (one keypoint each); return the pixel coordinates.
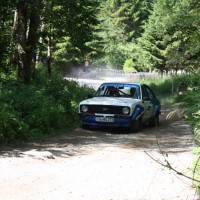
(26, 37)
(49, 54)
(161, 72)
(32, 34)
(49, 47)
(21, 30)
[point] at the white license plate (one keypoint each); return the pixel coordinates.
(104, 119)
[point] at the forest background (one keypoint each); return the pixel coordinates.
(139, 35)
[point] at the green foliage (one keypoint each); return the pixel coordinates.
(67, 27)
(12, 126)
(33, 111)
(61, 27)
(192, 115)
(166, 88)
(161, 86)
(130, 15)
(129, 66)
(191, 112)
(158, 34)
(6, 8)
(167, 91)
(108, 47)
(190, 102)
(171, 36)
(120, 24)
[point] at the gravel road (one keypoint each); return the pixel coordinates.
(102, 165)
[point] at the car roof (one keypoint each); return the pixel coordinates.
(122, 83)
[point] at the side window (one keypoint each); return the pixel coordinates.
(149, 92)
(144, 92)
(138, 93)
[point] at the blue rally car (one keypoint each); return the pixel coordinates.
(120, 105)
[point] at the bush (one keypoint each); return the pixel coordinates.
(129, 66)
(66, 93)
(169, 84)
(191, 111)
(12, 126)
(191, 106)
(33, 111)
(190, 103)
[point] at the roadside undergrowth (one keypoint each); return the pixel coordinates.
(38, 110)
(167, 91)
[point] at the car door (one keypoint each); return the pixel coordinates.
(148, 105)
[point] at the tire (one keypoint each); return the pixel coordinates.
(154, 122)
(84, 126)
(135, 126)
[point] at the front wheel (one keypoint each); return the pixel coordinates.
(84, 126)
(136, 125)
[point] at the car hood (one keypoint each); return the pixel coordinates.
(112, 101)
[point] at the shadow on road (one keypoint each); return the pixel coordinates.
(172, 136)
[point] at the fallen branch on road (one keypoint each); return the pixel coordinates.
(169, 166)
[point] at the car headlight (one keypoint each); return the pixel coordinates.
(125, 110)
(84, 109)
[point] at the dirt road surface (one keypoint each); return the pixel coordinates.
(102, 165)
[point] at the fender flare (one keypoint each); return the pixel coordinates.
(138, 112)
(156, 111)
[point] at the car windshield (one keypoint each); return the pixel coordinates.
(128, 91)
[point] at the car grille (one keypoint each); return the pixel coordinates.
(103, 109)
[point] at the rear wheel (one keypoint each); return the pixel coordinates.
(154, 122)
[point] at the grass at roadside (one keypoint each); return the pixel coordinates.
(166, 90)
(191, 111)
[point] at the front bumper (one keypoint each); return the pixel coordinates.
(119, 121)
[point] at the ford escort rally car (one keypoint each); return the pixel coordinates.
(126, 105)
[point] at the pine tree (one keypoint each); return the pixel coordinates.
(170, 36)
(131, 15)
(121, 23)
